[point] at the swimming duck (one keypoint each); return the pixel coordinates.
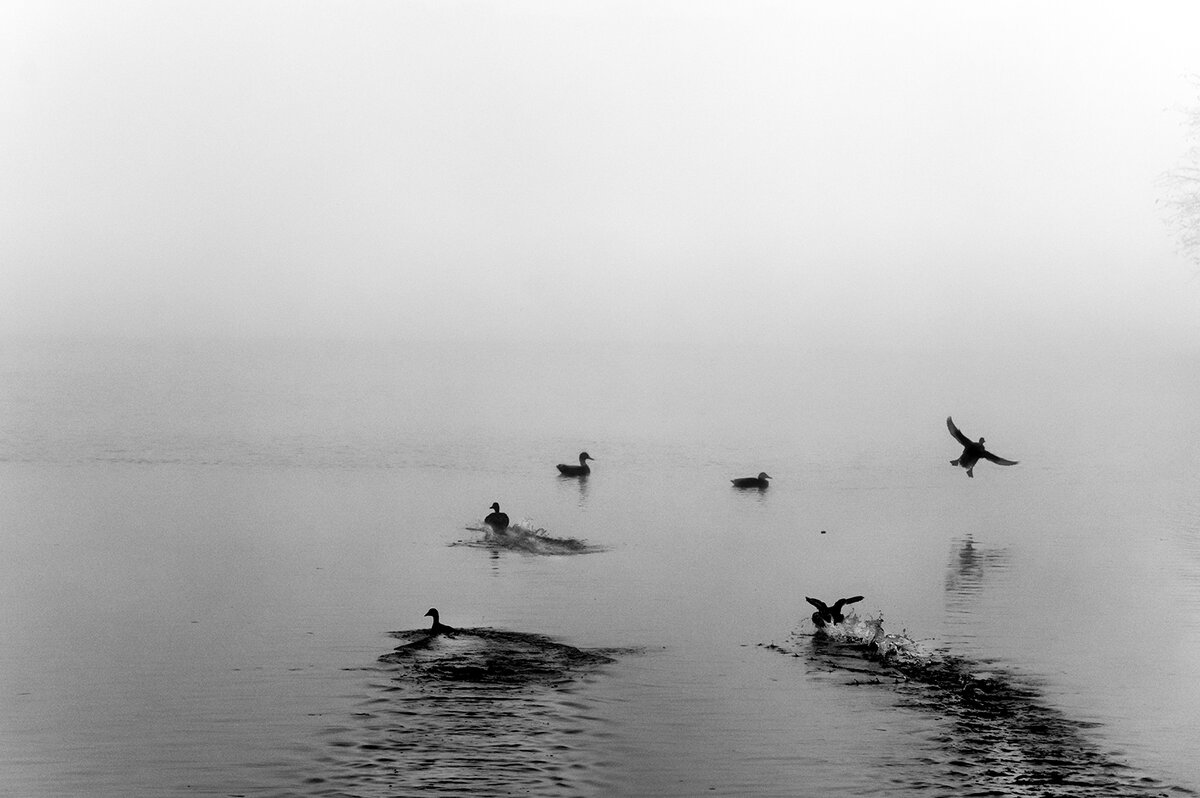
(759, 481)
(497, 520)
(826, 614)
(438, 627)
(972, 452)
(581, 470)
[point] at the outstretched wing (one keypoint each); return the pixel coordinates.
(820, 605)
(998, 460)
(958, 436)
(850, 600)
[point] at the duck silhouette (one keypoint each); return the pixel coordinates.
(497, 520)
(826, 614)
(972, 452)
(759, 481)
(438, 627)
(581, 470)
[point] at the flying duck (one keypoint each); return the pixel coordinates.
(497, 520)
(972, 452)
(581, 470)
(826, 614)
(759, 481)
(438, 627)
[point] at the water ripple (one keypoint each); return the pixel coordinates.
(438, 737)
(1000, 736)
(479, 712)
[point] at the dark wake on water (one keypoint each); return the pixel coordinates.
(489, 656)
(1002, 738)
(528, 540)
(473, 712)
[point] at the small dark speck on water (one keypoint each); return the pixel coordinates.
(822, 531)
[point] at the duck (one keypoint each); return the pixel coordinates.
(581, 470)
(759, 481)
(826, 614)
(972, 451)
(497, 520)
(438, 627)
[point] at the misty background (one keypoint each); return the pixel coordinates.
(291, 292)
(692, 171)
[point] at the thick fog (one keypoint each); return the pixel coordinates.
(593, 171)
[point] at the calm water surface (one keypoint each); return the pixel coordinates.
(204, 547)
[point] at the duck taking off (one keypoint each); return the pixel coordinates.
(438, 627)
(581, 470)
(497, 520)
(972, 451)
(826, 614)
(759, 481)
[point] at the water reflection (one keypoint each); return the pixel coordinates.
(577, 485)
(969, 565)
(757, 494)
(1185, 521)
(969, 569)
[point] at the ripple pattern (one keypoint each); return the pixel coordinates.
(1000, 737)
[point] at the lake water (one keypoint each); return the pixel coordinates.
(205, 545)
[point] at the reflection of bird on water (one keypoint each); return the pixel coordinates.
(497, 520)
(968, 566)
(826, 614)
(438, 627)
(972, 451)
(581, 470)
(759, 481)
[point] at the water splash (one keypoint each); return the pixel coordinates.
(1002, 738)
(489, 656)
(524, 537)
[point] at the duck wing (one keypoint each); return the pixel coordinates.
(998, 460)
(958, 436)
(841, 602)
(820, 605)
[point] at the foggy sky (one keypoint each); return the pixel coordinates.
(582, 171)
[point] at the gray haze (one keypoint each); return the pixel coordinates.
(691, 170)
